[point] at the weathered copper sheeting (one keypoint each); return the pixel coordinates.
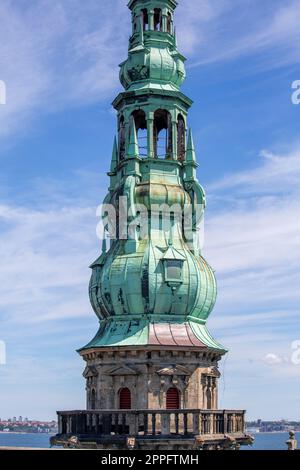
(170, 334)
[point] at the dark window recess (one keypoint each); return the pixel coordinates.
(145, 19)
(169, 23)
(173, 399)
(181, 138)
(140, 121)
(122, 138)
(157, 19)
(162, 134)
(93, 400)
(125, 399)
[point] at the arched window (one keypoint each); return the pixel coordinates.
(93, 399)
(173, 399)
(169, 23)
(145, 19)
(125, 399)
(122, 138)
(180, 138)
(162, 134)
(139, 117)
(157, 19)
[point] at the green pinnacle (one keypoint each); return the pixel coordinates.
(114, 158)
(133, 147)
(190, 151)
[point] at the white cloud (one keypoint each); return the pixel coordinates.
(225, 31)
(45, 253)
(56, 53)
(259, 225)
(253, 242)
(273, 359)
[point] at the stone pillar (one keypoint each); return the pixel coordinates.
(151, 19)
(174, 139)
(164, 22)
(213, 394)
(203, 381)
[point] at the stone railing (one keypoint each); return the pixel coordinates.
(151, 422)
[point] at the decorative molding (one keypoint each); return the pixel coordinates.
(121, 370)
(90, 372)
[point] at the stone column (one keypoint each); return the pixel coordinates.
(204, 403)
(174, 139)
(164, 22)
(151, 19)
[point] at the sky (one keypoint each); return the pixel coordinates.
(59, 60)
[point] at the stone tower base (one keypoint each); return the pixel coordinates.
(148, 374)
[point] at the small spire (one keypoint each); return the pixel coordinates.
(104, 247)
(133, 147)
(190, 151)
(114, 158)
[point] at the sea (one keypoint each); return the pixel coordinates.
(263, 441)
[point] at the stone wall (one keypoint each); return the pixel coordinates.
(148, 374)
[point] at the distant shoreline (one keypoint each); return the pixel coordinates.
(271, 432)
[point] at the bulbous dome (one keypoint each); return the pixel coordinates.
(136, 284)
(161, 193)
(153, 65)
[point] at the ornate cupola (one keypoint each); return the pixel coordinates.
(151, 288)
(152, 368)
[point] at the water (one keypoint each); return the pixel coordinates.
(263, 441)
(271, 441)
(25, 440)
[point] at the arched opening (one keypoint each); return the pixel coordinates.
(122, 138)
(93, 399)
(180, 138)
(125, 399)
(157, 19)
(162, 134)
(173, 399)
(169, 23)
(140, 120)
(145, 19)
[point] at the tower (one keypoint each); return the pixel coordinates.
(152, 289)
(152, 368)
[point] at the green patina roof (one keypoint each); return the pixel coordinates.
(145, 333)
(131, 292)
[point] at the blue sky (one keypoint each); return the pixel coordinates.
(59, 59)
